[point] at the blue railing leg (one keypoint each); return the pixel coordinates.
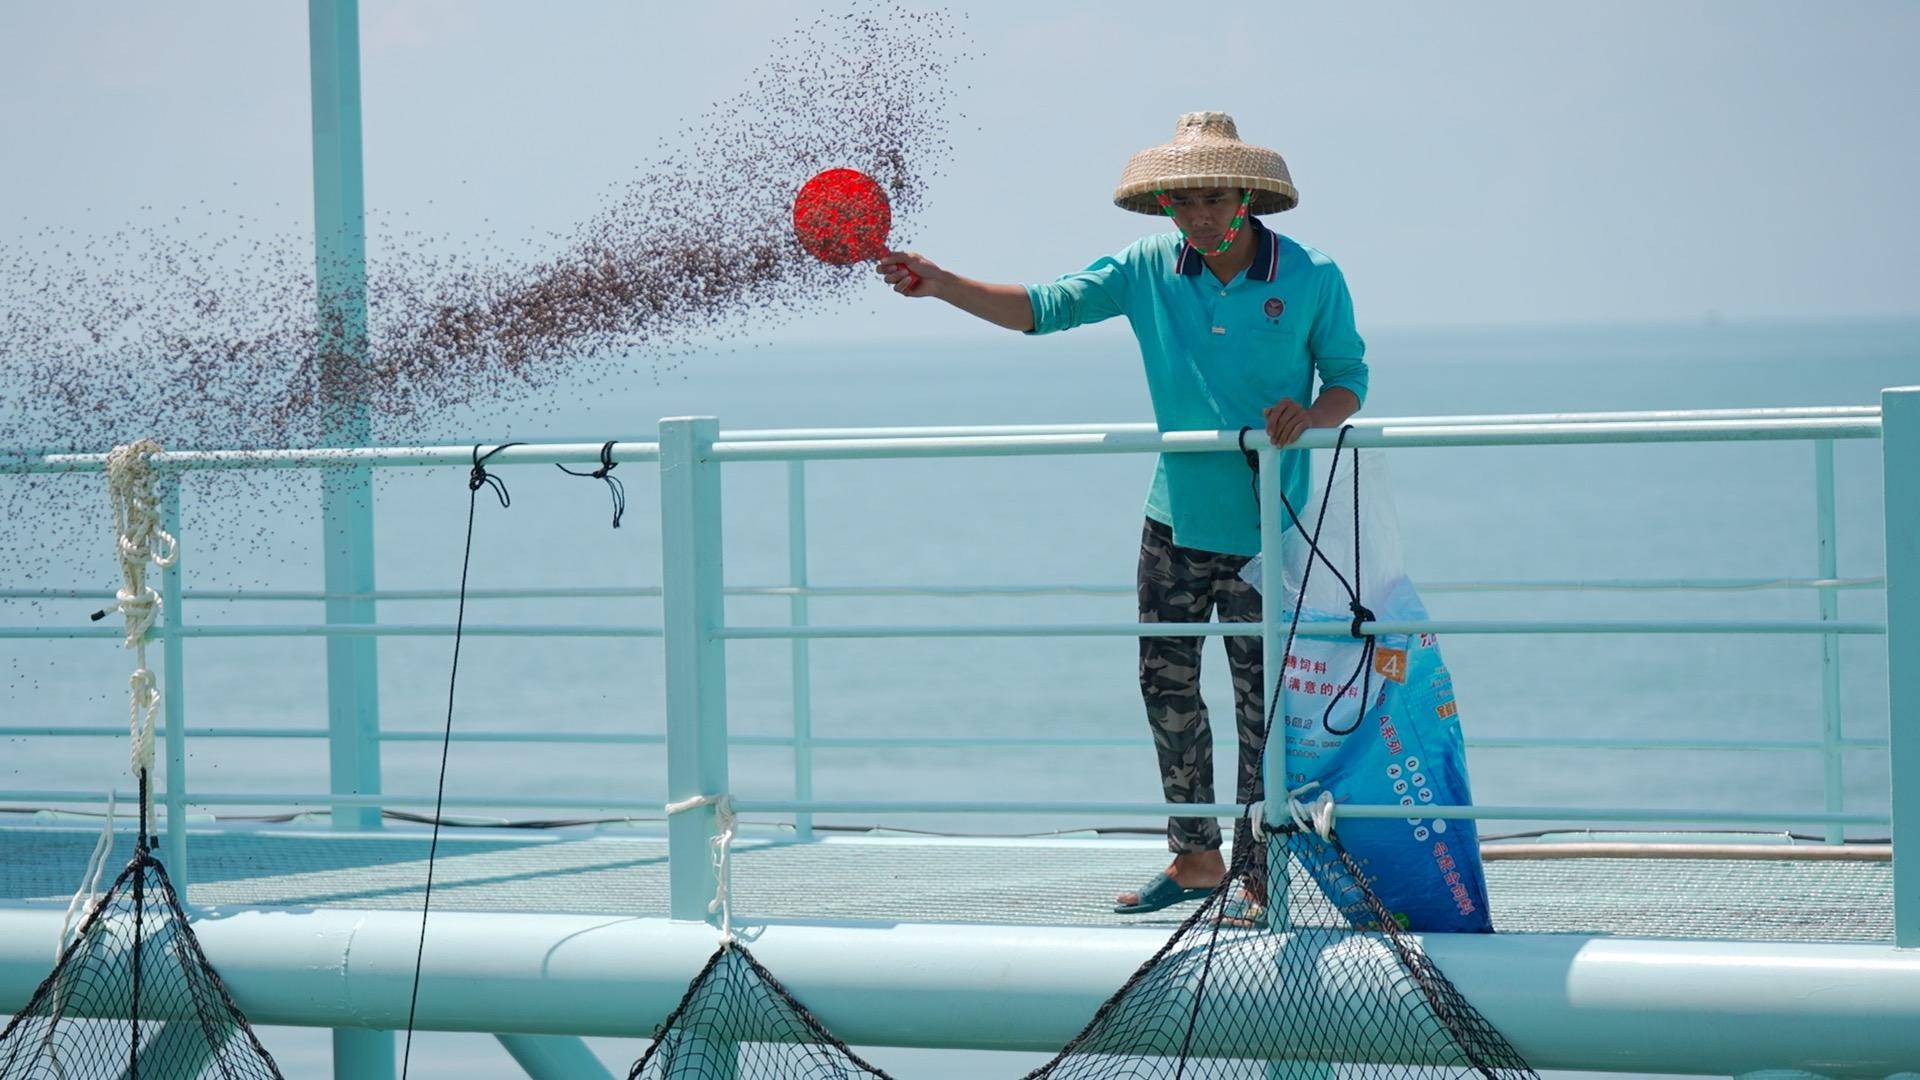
(174, 703)
(340, 265)
(802, 656)
(693, 606)
(340, 268)
(554, 1057)
(1273, 616)
(1900, 447)
(1832, 759)
(362, 1052)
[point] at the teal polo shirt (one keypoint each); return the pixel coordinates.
(1216, 355)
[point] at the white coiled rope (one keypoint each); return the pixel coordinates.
(141, 541)
(1314, 816)
(725, 824)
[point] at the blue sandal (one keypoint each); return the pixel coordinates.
(1243, 912)
(1161, 892)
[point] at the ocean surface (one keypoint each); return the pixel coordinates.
(1731, 510)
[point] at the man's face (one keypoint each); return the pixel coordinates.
(1204, 213)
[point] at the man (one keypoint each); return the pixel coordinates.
(1234, 321)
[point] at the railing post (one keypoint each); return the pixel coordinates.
(802, 660)
(1900, 450)
(174, 701)
(1832, 761)
(346, 495)
(1273, 619)
(694, 608)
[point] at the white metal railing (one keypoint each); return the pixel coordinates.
(695, 627)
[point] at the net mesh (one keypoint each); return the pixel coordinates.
(133, 996)
(737, 1020)
(1320, 983)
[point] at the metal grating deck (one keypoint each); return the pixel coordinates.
(929, 879)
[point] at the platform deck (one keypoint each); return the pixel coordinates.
(897, 878)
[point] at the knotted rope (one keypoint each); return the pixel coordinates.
(1314, 816)
(722, 843)
(477, 477)
(141, 540)
(605, 472)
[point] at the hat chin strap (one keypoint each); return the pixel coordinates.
(1233, 230)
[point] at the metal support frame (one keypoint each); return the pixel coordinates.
(1833, 762)
(346, 500)
(693, 611)
(554, 1057)
(1900, 410)
(339, 242)
(1568, 1001)
(173, 793)
(802, 659)
(1273, 616)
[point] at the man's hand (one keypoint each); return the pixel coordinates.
(910, 273)
(1287, 420)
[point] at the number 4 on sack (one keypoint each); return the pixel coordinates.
(1390, 664)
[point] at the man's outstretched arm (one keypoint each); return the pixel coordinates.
(1001, 305)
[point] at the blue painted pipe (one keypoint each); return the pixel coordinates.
(1565, 1001)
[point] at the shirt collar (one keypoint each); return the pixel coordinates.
(1266, 255)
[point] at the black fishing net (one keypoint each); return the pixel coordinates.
(1320, 983)
(737, 1020)
(133, 996)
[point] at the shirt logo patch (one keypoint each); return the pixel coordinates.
(1274, 306)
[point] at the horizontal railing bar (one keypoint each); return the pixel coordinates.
(283, 630)
(1522, 429)
(1359, 422)
(913, 742)
(1489, 742)
(1409, 435)
(1319, 629)
(1652, 584)
(332, 457)
(604, 592)
(110, 731)
(1357, 810)
(585, 592)
(323, 799)
(878, 807)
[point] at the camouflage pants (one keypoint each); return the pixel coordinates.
(1179, 584)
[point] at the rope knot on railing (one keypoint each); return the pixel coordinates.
(1361, 614)
(1314, 816)
(478, 476)
(605, 472)
(726, 824)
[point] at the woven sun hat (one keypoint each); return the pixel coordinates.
(1206, 151)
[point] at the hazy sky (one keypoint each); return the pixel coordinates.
(1466, 163)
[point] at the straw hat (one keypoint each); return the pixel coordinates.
(1206, 151)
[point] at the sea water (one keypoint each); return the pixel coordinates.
(1726, 510)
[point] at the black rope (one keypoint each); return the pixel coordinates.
(476, 479)
(605, 472)
(1293, 516)
(1361, 614)
(1363, 672)
(139, 926)
(1306, 575)
(141, 840)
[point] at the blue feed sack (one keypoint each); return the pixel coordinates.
(1406, 748)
